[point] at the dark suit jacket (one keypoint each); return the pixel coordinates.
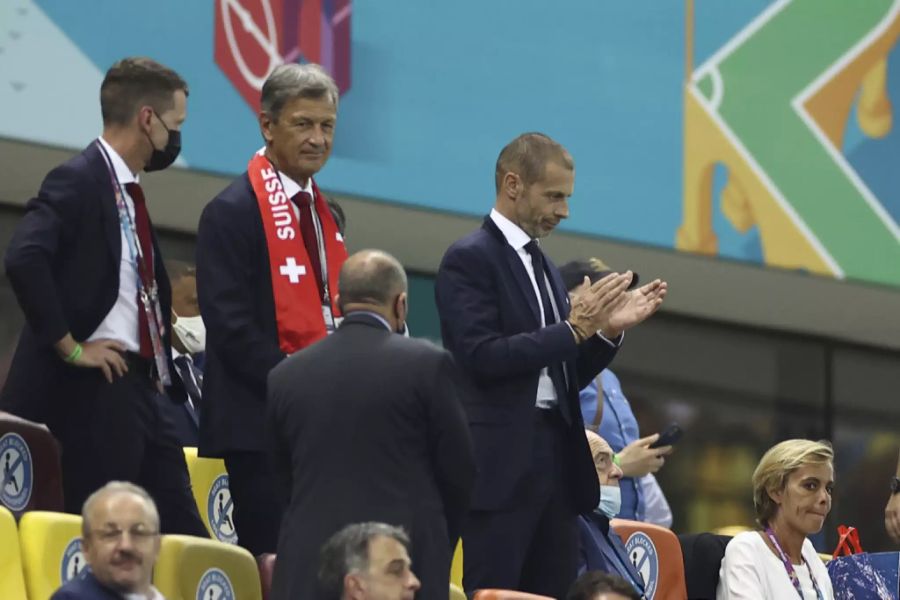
(367, 425)
(491, 324)
(603, 550)
(234, 286)
(63, 264)
(84, 587)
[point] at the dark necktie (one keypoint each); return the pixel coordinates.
(190, 378)
(555, 370)
(304, 202)
(145, 239)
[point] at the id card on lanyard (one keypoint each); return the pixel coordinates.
(148, 294)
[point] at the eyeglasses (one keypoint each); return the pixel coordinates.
(137, 534)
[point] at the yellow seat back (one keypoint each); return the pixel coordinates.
(51, 551)
(209, 481)
(12, 581)
(191, 567)
(456, 593)
(456, 567)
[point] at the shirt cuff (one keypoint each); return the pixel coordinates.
(615, 342)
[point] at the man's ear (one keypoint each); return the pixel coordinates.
(265, 126)
(512, 185)
(353, 587)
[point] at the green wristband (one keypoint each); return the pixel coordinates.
(617, 461)
(75, 355)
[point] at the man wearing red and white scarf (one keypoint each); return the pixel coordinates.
(268, 257)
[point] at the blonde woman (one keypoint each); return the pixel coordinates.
(792, 488)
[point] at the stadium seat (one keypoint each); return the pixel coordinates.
(12, 581)
(209, 481)
(190, 567)
(456, 567)
(656, 554)
(30, 473)
(266, 564)
(51, 551)
(507, 595)
(703, 554)
(457, 593)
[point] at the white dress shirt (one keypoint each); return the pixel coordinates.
(121, 322)
(515, 237)
(750, 571)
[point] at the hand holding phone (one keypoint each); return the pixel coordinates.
(668, 437)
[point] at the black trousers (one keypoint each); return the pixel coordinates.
(257, 509)
(533, 546)
(119, 431)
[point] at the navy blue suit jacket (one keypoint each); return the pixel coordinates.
(234, 286)
(84, 587)
(63, 264)
(603, 550)
(491, 324)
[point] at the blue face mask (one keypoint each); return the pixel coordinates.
(610, 500)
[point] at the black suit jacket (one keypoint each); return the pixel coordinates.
(490, 322)
(63, 264)
(84, 587)
(367, 425)
(234, 286)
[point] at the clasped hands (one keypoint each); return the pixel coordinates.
(609, 307)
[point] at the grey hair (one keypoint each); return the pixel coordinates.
(347, 551)
(114, 487)
(294, 80)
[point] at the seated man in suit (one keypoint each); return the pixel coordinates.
(601, 548)
(367, 561)
(367, 425)
(188, 345)
(120, 540)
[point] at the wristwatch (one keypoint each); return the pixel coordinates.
(895, 485)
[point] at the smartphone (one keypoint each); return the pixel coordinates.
(668, 437)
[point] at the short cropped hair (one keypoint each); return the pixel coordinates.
(296, 81)
(528, 155)
(347, 551)
(114, 487)
(776, 466)
(376, 279)
(593, 583)
(135, 82)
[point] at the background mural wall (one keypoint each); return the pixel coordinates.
(772, 143)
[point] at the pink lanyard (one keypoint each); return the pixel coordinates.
(790, 568)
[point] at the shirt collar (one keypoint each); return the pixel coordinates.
(154, 595)
(123, 173)
(291, 187)
(514, 235)
(375, 315)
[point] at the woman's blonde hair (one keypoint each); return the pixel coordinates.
(777, 464)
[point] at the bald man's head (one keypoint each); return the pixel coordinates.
(375, 281)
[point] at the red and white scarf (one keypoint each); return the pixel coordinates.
(298, 306)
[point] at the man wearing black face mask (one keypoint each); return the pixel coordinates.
(94, 358)
(366, 425)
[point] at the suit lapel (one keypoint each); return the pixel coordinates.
(107, 200)
(516, 268)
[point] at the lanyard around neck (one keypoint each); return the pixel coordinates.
(792, 574)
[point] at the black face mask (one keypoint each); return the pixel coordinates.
(160, 159)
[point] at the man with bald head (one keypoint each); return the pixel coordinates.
(367, 425)
(120, 540)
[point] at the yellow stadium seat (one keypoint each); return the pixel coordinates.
(12, 582)
(209, 481)
(732, 530)
(456, 567)
(51, 551)
(190, 567)
(456, 593)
